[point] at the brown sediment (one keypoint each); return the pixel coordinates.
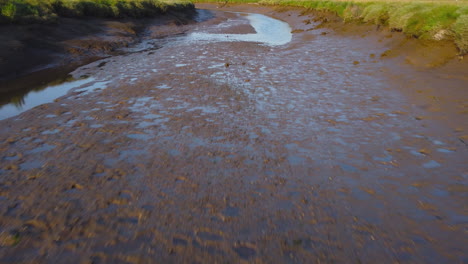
(244, 153)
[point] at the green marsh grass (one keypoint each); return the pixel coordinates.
(25, 11)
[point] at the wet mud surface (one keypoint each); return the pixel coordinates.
(316, 151)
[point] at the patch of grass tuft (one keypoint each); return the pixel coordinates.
(460, 30)
(376, 13)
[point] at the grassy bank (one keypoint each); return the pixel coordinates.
(435, 20)
(33, 11)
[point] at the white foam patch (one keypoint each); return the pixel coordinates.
(163, 86)
(269, 31)
(92, 88)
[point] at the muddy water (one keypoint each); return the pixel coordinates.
(207, 151)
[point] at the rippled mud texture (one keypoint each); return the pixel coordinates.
(204, 152)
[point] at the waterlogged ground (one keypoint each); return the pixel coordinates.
(304, 148)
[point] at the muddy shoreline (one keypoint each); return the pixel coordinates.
(335, 147)
(28, 58)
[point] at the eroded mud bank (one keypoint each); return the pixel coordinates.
(32, 55)
(316, 151)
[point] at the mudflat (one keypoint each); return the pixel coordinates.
(347, 144)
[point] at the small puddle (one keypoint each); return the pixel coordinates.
(36, 98)
(270, 31)
(47, 95)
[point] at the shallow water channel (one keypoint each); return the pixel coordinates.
(237, 141)
(269, 31)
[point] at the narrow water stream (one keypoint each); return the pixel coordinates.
(269, 31)
(36, 98)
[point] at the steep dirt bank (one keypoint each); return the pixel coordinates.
(34, 54)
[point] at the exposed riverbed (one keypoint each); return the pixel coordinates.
(232, 143)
